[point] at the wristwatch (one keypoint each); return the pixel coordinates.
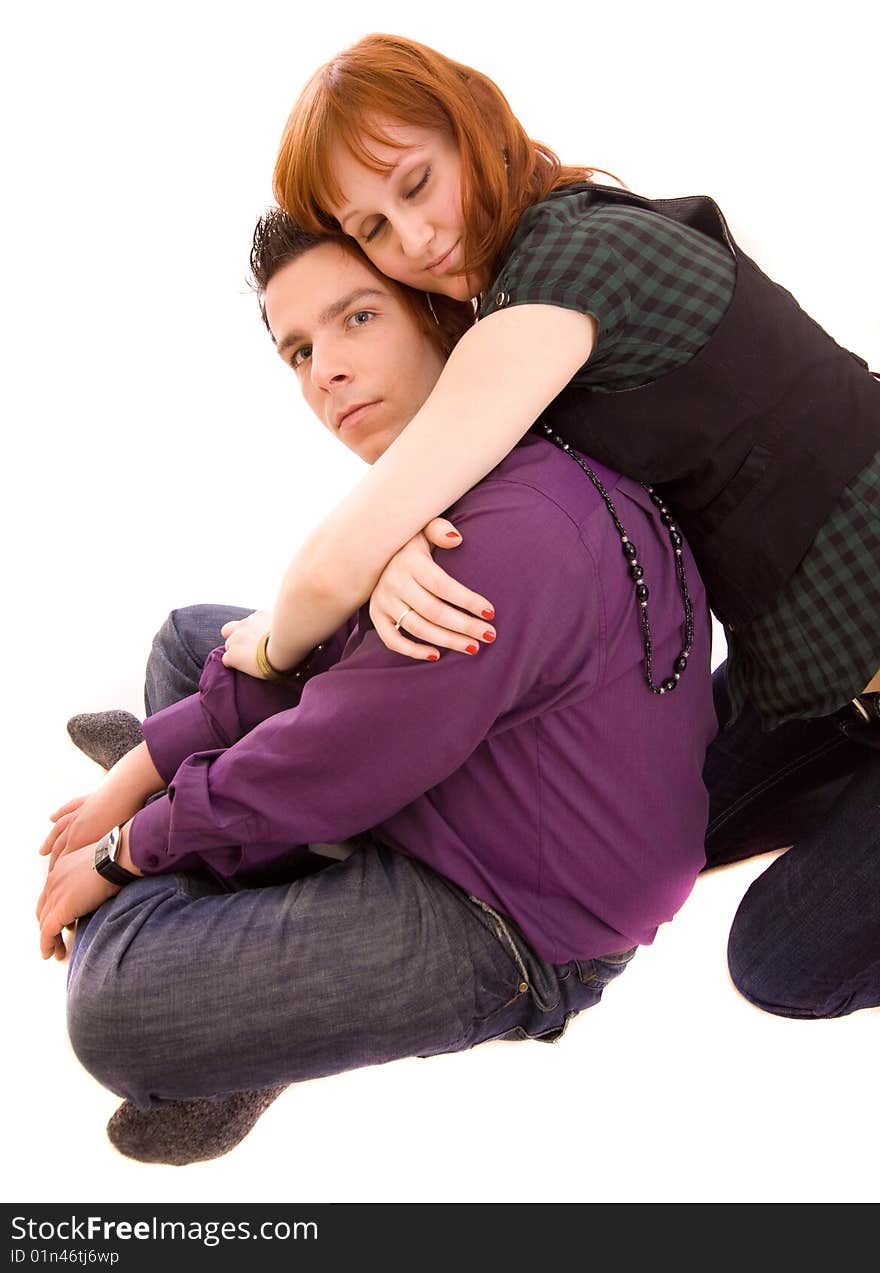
(105, 859)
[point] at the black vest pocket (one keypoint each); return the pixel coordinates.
(740, 485)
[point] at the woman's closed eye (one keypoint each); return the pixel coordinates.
(420, 185)
(381, 222)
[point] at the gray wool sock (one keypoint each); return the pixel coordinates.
(181, 1132)
(105, 736)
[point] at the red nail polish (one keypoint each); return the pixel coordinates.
(453, 534)
(488, 636)
(471, 649)
(488, 614)
(433, 658)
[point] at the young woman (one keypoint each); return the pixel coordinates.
(638, 331)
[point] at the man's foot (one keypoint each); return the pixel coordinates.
(181, 1132)
(105, 736)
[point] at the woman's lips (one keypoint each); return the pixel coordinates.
(446, 261)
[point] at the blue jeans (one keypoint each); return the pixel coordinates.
(187, 985)
(179, 651)
(805, 940)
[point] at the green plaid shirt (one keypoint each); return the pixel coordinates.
(658, 290)
(820, 644)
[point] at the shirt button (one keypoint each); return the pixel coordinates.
(152, 859)
(502, 298)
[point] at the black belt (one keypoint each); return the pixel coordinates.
(859, 721)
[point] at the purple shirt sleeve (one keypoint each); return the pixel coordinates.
(376, 730)
(208, 721)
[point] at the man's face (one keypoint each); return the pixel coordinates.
(364, 364)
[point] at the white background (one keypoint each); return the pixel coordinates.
(156, 454)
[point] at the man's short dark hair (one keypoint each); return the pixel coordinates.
(278, 240)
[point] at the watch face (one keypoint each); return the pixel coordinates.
(101, 855)
(113, 843)
(105, 860)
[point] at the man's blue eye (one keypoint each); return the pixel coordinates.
(364, 314)
(300, 355)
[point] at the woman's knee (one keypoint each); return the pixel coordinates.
(772, 965)
(756, 978)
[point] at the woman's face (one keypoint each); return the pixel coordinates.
(407, 219)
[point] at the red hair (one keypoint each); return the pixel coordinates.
(394, 80)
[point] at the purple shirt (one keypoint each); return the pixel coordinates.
(542, 775)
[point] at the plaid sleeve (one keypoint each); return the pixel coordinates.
(658, 289)
(559, 258)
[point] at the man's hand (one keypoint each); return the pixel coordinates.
(430, 604)
(73, 888)
(85, 819)
(62, 819)
(242, 637)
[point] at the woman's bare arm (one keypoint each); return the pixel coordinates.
(499, 378)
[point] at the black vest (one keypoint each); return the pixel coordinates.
(751, 442)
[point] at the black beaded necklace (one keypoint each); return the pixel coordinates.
(637, 573)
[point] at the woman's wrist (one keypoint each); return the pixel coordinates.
(275, 670)
(272, 666)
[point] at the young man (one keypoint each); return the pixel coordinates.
(379, 857)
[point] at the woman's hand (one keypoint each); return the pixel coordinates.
(72, 889)
(242, 638)
(429, 603)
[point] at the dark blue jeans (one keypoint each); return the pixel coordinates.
(187, 985)
(805, 941)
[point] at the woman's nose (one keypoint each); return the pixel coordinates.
(415, 235)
